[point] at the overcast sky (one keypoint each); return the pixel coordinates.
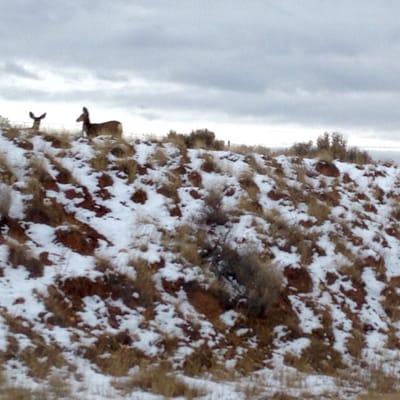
(269, 72)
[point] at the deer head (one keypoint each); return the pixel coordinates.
(84, 117)
(36, 120)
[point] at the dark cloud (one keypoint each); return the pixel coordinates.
(315, 63)
(14, 69)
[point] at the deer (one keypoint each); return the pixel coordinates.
(36, 121)
(113, 128)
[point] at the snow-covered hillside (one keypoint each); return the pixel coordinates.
(141, 269)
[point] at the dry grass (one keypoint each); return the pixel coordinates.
(5, 200)
(144, 283)
(61, 309)
(158, 379)
(209, 165)
(60, 140)
(244, 149)
(41, 359)
(6, 175)
(128, 166)
(318, 210)
(214, 212)
(12, 133)
(100, 161)
(261, 280)
(246, 181)
(159, 158)
(39, 209)
(112, 357)
(188, 243)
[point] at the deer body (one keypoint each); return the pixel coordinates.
(113, 128)
(36, 121)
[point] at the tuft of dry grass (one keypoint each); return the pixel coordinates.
(6, 175)
(128, 166)
(209, 165)
(214, 212)
(144, 283)
(5, 200)
(318, 210)
(159, 157)
(41, 359)
(158, 379)
(100, 161)
(246, 181)
(188, 243)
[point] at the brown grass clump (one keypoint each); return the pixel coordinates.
(6, 175)
(355, 343)
(188, 242)
(61, 309)
(5, 200)
(15, 393)
(318, 210)
(11, 132)
(144, 283)
(209, 165)
(41, 359)
(113, 354)
(159, 157)
(59, 140)
(20, 255)
(201, 360)
(246, 181)
(128, 166)
(100, 161)
(214, 213)
(245, 150)
(160, 380)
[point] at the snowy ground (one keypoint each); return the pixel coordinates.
(102, 260)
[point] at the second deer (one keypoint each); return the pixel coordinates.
(36, 121)
(113, 128)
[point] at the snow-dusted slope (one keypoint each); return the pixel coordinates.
(113, 259)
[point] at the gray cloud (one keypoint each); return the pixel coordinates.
(16, 70)
(314, 63)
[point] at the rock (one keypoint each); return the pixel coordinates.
(327, 168)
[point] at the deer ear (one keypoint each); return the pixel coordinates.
(85, 110)
(31, 115)
(42, 116)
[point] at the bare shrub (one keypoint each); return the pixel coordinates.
(214, 212)
(260, 279)
(329, 147)
(302, 149)
(178, 140)
(4, 122)
(198, 139)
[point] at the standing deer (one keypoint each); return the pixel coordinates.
(36, 121)
(113, 128)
